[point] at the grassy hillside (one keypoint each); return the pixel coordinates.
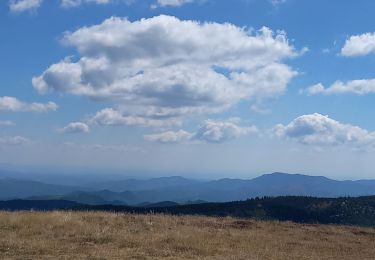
(100, 235)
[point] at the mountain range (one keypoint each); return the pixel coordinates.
(185, 191)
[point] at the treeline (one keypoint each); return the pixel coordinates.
(343, 211)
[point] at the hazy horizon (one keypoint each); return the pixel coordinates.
(43, 173)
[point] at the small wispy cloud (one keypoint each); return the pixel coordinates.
(276, 3)
(74, 128)
(173, 3)
(7, 123)
(13, 141)
(358, 87)
(19, 6)
(211, 131)
(12, 104)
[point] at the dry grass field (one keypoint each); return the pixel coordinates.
(68, 235)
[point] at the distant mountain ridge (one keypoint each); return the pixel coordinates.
(149, 184)
(16, 188)
(181, 190)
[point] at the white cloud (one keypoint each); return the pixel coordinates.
(19, 6)
(258, 108)
(153, 69)
(104, 147)
(32, 5)
(170, 137)
(359, 87)
(276, 3)
(14, 105)
(359, 45)
(171, 3)
(111, 117)
(75, 127)
(211, 131)
(320, 130)
(14, 140)
(6, 123)
(214, 131)
(75, 3)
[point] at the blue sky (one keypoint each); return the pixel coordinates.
(198, 88)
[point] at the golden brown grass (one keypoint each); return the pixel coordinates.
(99, 235)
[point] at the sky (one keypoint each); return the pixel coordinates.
(198, 88)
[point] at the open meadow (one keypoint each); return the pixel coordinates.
(101, 235)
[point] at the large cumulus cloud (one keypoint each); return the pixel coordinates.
(153, 69)
(359, 45)
(320, 130)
